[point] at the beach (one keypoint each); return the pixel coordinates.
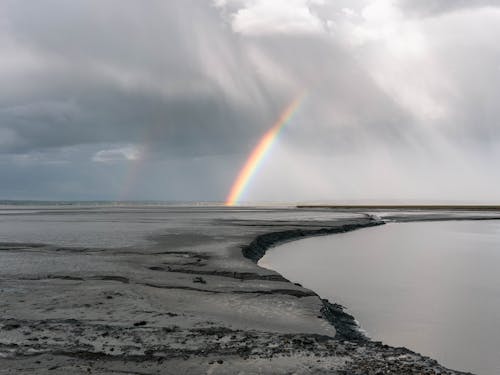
(191, 299)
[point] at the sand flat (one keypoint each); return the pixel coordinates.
(187, 301)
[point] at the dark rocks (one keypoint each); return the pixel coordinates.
(199, 279)
(346, 326)
(230, 274)
(257, 248)
(120, 279)
(11, 326)
(155, 268)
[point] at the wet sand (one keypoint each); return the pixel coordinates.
(194, 301)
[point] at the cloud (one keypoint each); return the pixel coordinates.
(437, 7)
(117, 154)
(261, 17)
(187, 87)
(129, 73)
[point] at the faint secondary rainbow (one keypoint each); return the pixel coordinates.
(258, 154)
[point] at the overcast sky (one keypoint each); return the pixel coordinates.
(164, 100)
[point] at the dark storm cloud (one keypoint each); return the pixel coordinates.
(171, 74)
(91, 71)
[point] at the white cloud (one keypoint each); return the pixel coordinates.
(262, 17)
(117, 154)
(348, 12)
(396, 53)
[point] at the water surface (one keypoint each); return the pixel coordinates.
(433, 287)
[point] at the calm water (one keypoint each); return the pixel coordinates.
(433, 287)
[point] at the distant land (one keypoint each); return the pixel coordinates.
(404, 207)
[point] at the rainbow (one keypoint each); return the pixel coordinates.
(254, 161)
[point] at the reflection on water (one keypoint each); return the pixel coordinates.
(432, 287)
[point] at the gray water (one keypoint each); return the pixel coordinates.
(433, 287)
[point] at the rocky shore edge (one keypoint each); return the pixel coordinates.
(345, 324)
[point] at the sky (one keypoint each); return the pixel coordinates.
(165, 100)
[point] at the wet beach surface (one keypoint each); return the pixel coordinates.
(146, 290)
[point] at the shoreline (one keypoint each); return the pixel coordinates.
(430, 207)
(193, 302)
(346, 326)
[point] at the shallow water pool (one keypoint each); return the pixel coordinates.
(433, 287)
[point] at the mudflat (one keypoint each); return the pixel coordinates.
(190, 300)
